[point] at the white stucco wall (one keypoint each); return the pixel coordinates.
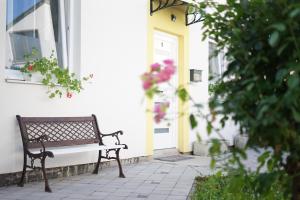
(113, 48)
(110, 42)
(199, 90)
(199, 59)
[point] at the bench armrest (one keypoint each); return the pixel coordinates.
(38, 139)
(116, 135)
(41, 140)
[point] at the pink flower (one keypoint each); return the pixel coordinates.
(158, 74)
(155, 67)
(163, 76)
(147, 85)
(157, 108)
(147, 79)
(170, 69)
(159, 117)
(69, 95)
(160, 111)
(169, 62)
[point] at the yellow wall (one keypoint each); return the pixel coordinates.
(161, 21)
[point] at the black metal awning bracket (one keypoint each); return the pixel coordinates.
(192, 15)
(162, 5)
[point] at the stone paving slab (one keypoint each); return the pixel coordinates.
(157, 180)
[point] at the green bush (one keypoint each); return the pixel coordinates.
(219, 187)
(260, 89)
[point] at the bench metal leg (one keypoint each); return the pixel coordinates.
(121, 174)
(98, 163)
(21, 183)
(47, 187)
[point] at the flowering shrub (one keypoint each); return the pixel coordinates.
(58, 80)
(159, 73)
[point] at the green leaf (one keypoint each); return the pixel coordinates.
(215, 147)
(262, 111)
(219, 174)
(183, 94)
(294, 13)
(270, 164)
(279, 27)
(52, 95)
(151, 92)
(198, 136)
(191, 9)
(296, 115)
(221, 8)
(293, 82)
(209, 128)
(282, 48)
(274, 39)
(193, 121)
(212, 163)
(262, 158)
(244, 4)
(280, 75)
(250, 86)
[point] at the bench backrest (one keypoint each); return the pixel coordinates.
(61, 131)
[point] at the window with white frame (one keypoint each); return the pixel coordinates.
(217, 62)
(36, 25)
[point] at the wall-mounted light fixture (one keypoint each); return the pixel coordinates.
(173, 18)
(195, 75)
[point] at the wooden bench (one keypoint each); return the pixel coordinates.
(44, 137)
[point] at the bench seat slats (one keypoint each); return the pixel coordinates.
(77, 149)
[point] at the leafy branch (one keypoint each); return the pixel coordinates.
(58, 80)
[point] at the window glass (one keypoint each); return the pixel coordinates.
(213, 61)
(35, 25)
(24, 42)
(216, 62)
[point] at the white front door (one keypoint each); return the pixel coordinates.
(165, 132)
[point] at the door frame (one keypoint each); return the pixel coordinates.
(161, 22)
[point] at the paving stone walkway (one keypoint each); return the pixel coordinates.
(146, 180)
(157, 180)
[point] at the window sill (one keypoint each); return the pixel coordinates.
(7, 80)
(19, 81)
